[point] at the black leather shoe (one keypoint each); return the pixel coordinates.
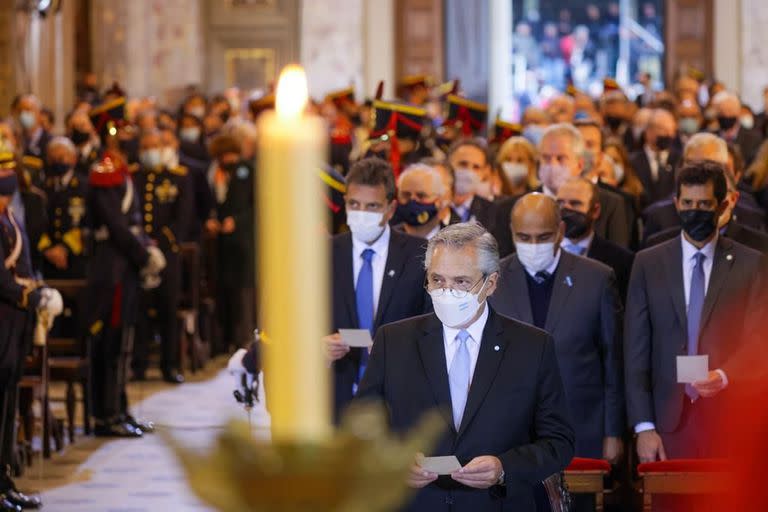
(7, 505)
(146, 427)
(117, 429)
(173, 377)
(22, 500)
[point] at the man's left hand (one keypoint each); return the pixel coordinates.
(710, 387)
(613, 448)
(481, 472)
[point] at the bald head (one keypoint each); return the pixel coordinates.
(536, 219)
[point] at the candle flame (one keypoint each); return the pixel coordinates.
(292, 95)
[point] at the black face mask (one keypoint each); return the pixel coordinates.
(699, 224)
(58, 169)
(415, 213)
(613, 122)
(726, 123)
(79, 137)
(663, 142)
(577, 224)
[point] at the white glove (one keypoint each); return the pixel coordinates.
(150, 281)
(156, 262)
(51, 302)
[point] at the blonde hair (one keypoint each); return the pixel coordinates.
(514, 144)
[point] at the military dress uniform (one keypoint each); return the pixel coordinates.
(167, 210)
(66, 196)
(118, 254)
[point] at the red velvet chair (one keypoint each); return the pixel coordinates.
(681, 476)
(586, 476)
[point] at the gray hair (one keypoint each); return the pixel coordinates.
(723, 96)
(61, 142)
(567, 130)
(457, 236)
(701, 140)
(438, 187)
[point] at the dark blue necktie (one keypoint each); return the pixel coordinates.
(541, 276)
(695, 307)
(364, 302)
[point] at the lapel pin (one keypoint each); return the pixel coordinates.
(496, 348)
(729, 257)
(568, 281)
(391, 273)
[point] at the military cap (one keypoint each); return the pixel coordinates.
(610, 84)
(503, 130)
(8, 179)
(341, 97)
(467, 115)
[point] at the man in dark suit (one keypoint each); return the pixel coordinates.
(655, 163)
(377, 275)
(579, 208)
(575, 300)
(560, 158)
(509, 429)
(472, 170)
(687, 296)
(728, 108)
(34, 137)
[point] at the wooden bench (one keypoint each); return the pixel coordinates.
(587, 476)
(682, 477)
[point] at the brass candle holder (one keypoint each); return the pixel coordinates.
(363, 467)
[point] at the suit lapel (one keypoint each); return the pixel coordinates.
(673, 267)
(432, 353)
(517, 291)
(396, 258)
(492, 349)
(346, 276)
(720, 269)
(561, 289)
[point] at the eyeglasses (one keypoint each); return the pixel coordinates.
(437, 288)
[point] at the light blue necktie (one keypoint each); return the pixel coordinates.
(575, 249)
(458, 378)
(364, 302)
(695, 307)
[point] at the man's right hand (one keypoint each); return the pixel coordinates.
(650, 447)
(212, 226)
(419, 477)
(334, 348)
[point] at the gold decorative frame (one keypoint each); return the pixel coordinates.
(232, 55)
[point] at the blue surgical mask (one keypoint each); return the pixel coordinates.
(533, 133)
(28, 119)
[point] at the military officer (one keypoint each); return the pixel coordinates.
(20, 297)
(121, 258)
(165, 201)
(83, 135)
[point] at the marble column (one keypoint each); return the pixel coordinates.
(754, 52)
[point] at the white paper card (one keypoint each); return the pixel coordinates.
(439, 465)
(356, 337)
(692, 369)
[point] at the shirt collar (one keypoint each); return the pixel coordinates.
(584, 243)
(380, 246)
(689, 250)
(475, 329)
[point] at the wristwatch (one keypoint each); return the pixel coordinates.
(500, 481)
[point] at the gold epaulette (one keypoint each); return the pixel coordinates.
(74, 240)
(32, 161)
(179, 170)
(44, 243)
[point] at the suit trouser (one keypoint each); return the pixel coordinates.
(164, 301)
(8, 405)
(111, 353)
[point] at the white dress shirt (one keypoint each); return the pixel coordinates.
(689, 250)
(378, 262)
(464, 208)
(473, 342)
(653, 161)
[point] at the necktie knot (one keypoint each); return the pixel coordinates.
(699, 258)
(541, 276)
(367, 255)
(463, 336)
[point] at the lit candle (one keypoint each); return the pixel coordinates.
(293, 264)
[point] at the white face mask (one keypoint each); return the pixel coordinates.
(169, 157)
(515, 172)
(455, 312)
(365, 226)
(553, 176)
(535, 257)
(198, 112)
(151, 158)
(27, 119)
(190, 134)
(466, 182)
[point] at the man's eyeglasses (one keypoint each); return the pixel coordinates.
(437, 288)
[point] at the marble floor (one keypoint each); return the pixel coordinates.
(142, 475)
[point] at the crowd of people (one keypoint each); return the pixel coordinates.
(539, 222)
